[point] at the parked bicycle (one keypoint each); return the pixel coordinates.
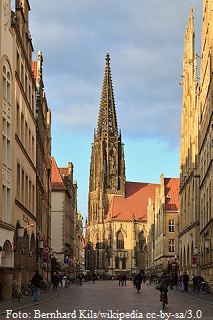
(15, 293)
(203, 287)
(26, 290)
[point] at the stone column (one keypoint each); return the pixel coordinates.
(6, 283)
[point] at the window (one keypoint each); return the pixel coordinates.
(116, 263)
(171, 225)
(123, 263)
(120, 240)
(18, 120)
(171, 245)
(18, 182)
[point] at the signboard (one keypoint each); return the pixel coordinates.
(194, 261)
(45, 257)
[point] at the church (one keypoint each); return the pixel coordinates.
(116, 230)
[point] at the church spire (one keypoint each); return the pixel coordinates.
(107, 121)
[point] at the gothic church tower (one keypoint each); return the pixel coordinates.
(107, 168)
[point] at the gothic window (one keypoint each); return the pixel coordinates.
(123, 263)
(116, 263)
(142, 240)
(120, 240)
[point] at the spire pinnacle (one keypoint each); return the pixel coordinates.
(107, 121)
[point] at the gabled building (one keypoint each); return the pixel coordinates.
(166, 226)
(189, 171)
(63, 204)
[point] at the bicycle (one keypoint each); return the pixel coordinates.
(15, 293)
(26, 290)
(163, 298)
(206, 288)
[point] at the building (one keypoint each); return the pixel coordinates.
(79, 243)
(189, 236)
(24, 153)
(63, 204)
(7, 143)
(206, 143)
(43, 172)
(166, 227)
(117, 210)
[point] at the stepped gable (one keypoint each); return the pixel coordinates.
(172, 188)
(135, 202)
(57, 181)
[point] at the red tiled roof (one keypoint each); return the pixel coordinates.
(172, 187)
(34, 68)
(57, 181)
(135, 201)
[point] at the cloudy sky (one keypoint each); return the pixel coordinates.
(145, 42)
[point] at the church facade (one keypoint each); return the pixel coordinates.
(116, 230)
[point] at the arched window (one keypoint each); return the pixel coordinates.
(120, 240)
(6, 85)
(116, 263)
(123, 263)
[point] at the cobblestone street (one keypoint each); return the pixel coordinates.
(107, 297)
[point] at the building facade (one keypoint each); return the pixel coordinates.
(206, 142)
(166, 227)
(63, 202)
(7, 142)
(189, 161)
(43, 172)
(117, 209)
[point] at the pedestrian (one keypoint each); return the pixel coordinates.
(148, 279)
(55, 281)
(124, 279)
(36, 282)
(120, 279)
(93, 277)
(185, 281)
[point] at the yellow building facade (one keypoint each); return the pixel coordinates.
(189, 161)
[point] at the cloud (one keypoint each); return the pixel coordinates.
(145, 40)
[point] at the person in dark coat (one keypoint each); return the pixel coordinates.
(123, 279)
(164, 283)
(185, 281)
(36, 282)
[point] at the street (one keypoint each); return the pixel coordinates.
(106, 299)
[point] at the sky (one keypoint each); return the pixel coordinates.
(145, 41)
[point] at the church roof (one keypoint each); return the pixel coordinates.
(57, 181)
(172, 187)
(135, 201)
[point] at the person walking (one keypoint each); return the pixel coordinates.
(55, 281)
(36, 282)
(185, 281)
(120, 279)
(124, 279)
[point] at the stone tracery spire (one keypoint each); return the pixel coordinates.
(107, 121)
